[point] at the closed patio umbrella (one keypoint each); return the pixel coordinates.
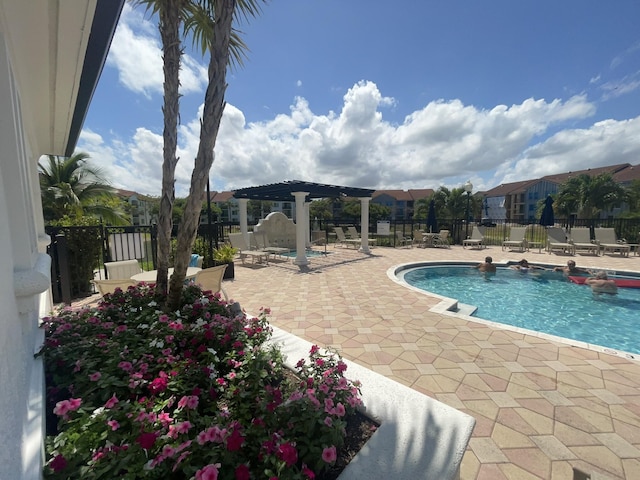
(432, 221)
(547, 218)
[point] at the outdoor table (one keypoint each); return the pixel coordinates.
(151, 275)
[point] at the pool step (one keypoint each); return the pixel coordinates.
(465, 309)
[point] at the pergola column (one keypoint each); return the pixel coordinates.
(244, 229)
(307, 234)
(301, 237)
(364, 224)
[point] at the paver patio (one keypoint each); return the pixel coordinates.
(542, 407)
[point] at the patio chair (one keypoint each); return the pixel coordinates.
(476, 240)
(557, 241)
(123, 269)
(211, 279)
(609, 243)
(419, 239)
(580, 237)
(111, 285)
(401, 240)
(237, 242)
(516, 239)
(353, 234)
(341, 238)
(442, 239)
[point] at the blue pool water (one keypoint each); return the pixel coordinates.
(545, 302)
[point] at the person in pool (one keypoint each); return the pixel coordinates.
(600, 283)
(571, 269)
(486, 266)
(524, 266)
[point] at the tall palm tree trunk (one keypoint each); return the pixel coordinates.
(172, 52)
(213, 108)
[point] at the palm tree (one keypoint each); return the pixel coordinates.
(72, 187)
(588, 195)
(210, 23)
(171, 14)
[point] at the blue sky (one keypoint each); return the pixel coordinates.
(363, 94)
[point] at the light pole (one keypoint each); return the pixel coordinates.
(467, 188)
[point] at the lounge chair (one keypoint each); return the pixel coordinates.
(111, 285)
(442, 239)
(401, 240)
(580, 237)
(211, 279)
(262, 242)
(123, 269)
(237, 242)
(419, 238)
(341, 238)
(609, 243)
(476, 240)
(353, 234)
(557, 241)
(516, 239)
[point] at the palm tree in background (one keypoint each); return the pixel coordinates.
(72, 187)
(588, 196)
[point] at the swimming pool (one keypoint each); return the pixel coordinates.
(546, 302)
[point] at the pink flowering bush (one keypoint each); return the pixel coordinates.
(134, 392)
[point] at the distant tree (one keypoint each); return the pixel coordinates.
(71, 187)
(378, 212)
(632, 196)
(351, 209)
(587, 196)
(259, 208)
(321, 209)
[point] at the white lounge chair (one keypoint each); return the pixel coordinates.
(476, 240)
(341, 238)
(441, 239)
(516, 239)
(557, 241)
(111, 285)
(401, 240)
(609, 243)
(123, 269)
(580, 237)
(262, 242)
(257, 256)
(354, 235)
(211, 279)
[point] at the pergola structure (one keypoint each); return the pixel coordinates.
(302, 193)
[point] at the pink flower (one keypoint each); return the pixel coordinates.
(210, 472)
(58, 463)
(94, 377)
(112, 402)
(308, 472)
(328, 422)
(183, 427)
(126, 366)
(74, 404)
(168, 451)
(288, 453)
(113, 424)
(158, 385)
(62, 408)
(339, 410)
(235, 441)
(242, 472)
(147, 440)
(329, 454)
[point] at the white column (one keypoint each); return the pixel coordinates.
(364, 224)
(244, 229)
(301, 256)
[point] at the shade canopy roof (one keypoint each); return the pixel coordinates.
(283, 192)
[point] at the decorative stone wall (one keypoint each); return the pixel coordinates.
(279, 229)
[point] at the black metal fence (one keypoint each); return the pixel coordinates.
(78, 253)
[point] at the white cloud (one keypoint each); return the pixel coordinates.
(136, 53)
(444, 143)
